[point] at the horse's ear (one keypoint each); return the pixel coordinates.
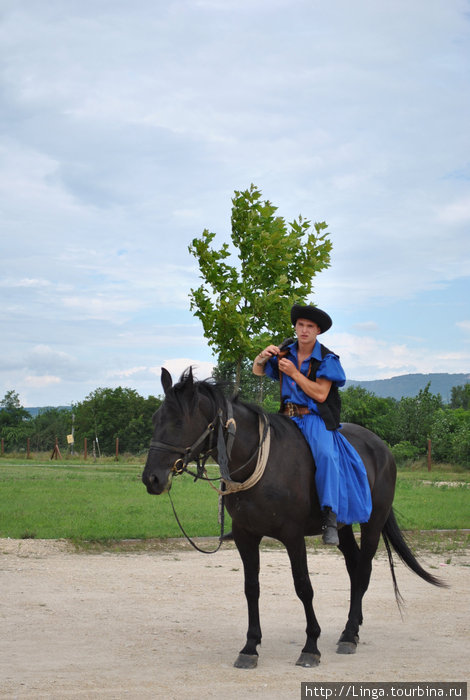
(167, 381)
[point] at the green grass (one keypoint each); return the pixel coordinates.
(98, 502)
(107, 501)
(439, 499)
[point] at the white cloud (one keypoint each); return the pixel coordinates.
(366, 326)
(43, 358)
(176, 366)
(130, 372)
(366, 357)
(102, 307)
(26, 282)
(457, 212)
(41, 382)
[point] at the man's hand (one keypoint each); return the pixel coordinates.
(263, 357)
(287, 367)
(268, 352)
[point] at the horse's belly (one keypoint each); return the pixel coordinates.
(271, 509)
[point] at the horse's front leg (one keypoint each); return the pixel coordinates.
(248, 547)
(296, 549)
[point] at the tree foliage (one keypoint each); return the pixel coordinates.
(49, 424)
(12, 414)
(244, 305)
(373, 412)
(450, 436)
(121, 413)
(416, 414)
(106, 413)
(405, 425)
(408, 421)
(460, 397)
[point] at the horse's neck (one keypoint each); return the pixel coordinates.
(244, 451)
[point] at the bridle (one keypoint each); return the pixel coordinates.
(188, 454)
(224, 449)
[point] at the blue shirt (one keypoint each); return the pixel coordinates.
(330, 368)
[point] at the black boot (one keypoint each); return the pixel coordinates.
(329, 527)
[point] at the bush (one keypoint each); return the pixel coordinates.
(405, 453)
(450, 436)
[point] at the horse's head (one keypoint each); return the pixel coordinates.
(177, 425)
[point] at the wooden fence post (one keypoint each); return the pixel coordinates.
(85, 449)
(28, 450)
(117, 450)
(56, 452)
(429, 455)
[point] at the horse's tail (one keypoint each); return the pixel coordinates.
(393, 537)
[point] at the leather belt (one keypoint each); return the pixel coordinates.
(294, 410)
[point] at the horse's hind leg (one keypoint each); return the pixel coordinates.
(248, 547)
(310, 655)
(359, 566)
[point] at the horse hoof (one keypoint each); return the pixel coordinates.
(346, 648)
(246, 661)
(308, 660)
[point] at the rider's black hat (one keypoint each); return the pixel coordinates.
(311, 313)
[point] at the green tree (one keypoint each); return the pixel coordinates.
(115, 413)
(450, 436)
(373, 412)
(49, 424)
(245, 305)
(12, 412)
(460, 397)
(13, 421)
(416, 416)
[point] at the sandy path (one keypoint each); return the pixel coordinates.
(169, 624)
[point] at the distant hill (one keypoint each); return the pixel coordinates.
(411, 385)
(40, 409)
(396, 387)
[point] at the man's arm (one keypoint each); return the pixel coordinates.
(260, 360)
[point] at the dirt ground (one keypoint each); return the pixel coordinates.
(168, 623)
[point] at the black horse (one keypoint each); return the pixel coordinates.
(195, 418)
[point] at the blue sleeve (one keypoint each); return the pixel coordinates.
(271, 368)
(331, 369)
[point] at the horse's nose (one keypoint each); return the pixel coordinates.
(149, 480)
(152, 482)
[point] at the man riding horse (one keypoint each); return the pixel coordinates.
(310, 375)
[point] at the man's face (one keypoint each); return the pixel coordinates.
(307, 331)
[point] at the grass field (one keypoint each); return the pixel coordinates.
(107, 501)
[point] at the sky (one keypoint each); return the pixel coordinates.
(126, 128)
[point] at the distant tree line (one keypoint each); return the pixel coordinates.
(407, 424)
(107, 414)
(103, 416)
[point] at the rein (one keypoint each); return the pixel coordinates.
(224, 450)
(191, 541)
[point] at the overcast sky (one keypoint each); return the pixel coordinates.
(126, 127)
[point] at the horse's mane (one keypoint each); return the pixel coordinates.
(216, 392)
